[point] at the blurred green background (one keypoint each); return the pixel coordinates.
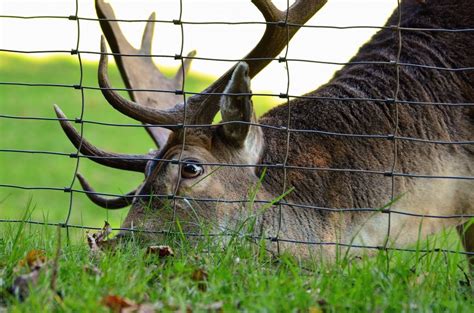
(40, 170)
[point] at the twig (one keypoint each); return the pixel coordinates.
(54, 274)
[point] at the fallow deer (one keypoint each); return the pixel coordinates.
(370, 158)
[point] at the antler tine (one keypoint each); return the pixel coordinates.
(184, 68)
(129, 162)
(107, 203)
(130, 108)
(134, 69)
(202, 108)
(274, 39)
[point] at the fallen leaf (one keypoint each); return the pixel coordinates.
(104, 233)
(200, 276)
(92, 243)
(160, 251)
(33, 259)
(98, 239)
(117, 303)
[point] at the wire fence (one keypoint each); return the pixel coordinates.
(393, 137)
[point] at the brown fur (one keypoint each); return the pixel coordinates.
(332, 189)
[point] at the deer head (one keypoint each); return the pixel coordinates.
(184, 171)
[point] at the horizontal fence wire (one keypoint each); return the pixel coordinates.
(281, 95)
(395, 138)
(175, 22)
(178, 57)
(190, 234)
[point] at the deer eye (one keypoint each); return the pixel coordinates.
(191, 169)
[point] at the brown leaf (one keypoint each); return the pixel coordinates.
(160, 251)
(33, 258)
(92, 243)
(118, 304)
(103, 233)
(98, 239)
(200, 276)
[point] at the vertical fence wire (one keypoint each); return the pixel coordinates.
(79, 86)
(396, 91)
(288, 124)
(183, 144)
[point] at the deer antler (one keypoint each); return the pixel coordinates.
(201, 109)
(274, 39)
(129, 162)
(107, 203)
(134, 69)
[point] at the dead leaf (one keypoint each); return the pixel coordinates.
(200, 276)
(117, 303)
(92, 243)
(103, 233)
(160, 251)
(98, 239)
(33, 259)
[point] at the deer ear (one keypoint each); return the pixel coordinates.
(236, 106)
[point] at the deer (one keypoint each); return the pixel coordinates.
(374, 157)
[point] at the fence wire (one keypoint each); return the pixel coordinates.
(394, 138)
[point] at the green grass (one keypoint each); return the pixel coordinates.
(57, 171)
(242, 276)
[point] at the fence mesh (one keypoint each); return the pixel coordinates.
(287, 128)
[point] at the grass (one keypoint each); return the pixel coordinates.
(240, 274)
